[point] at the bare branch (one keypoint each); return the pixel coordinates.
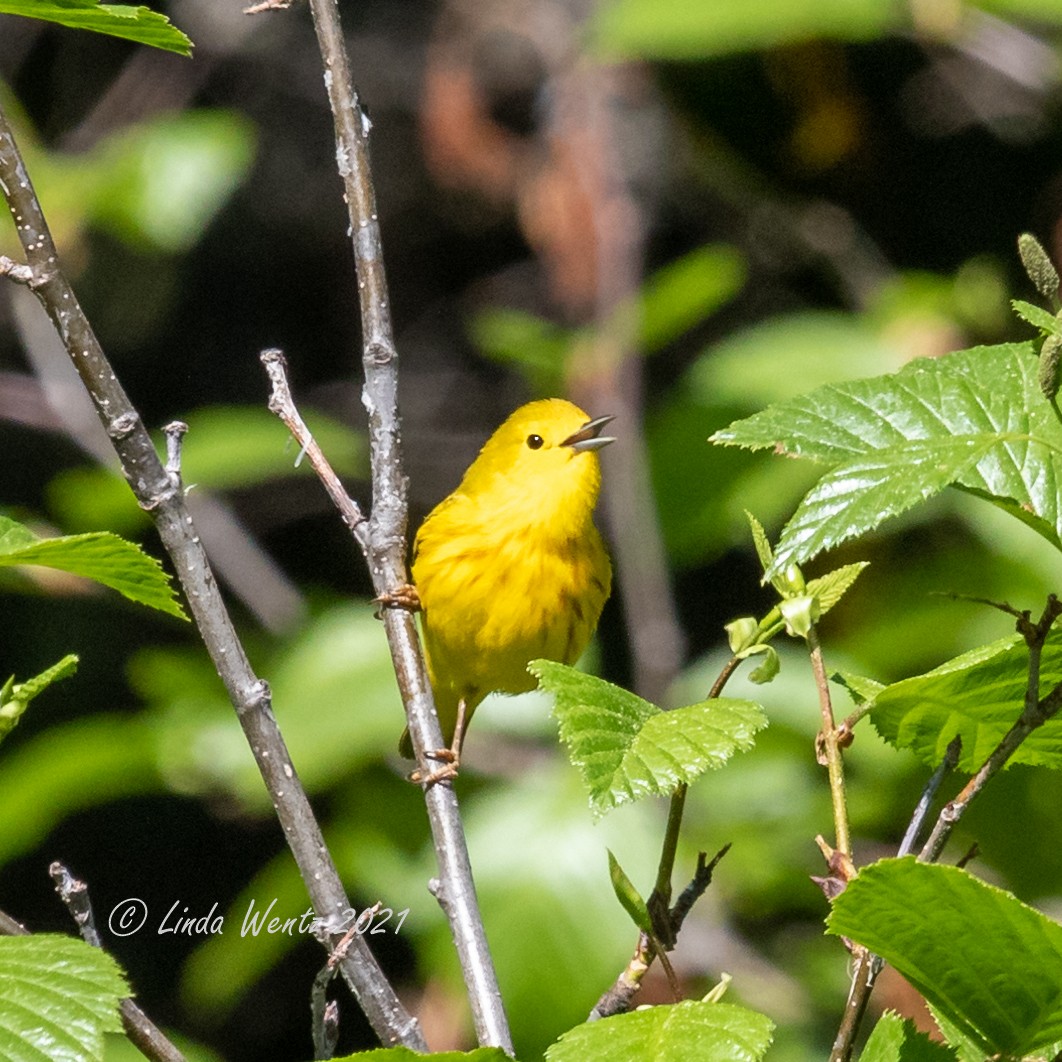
(283, 405)
(74, 893)
(21, 274)
(159, 495)
(386, 546)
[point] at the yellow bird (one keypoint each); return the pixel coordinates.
(510, 567)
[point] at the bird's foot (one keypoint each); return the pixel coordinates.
(404, 596)
(450, 760)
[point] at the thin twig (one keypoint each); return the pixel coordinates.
(667, 920)
(283, 405)
(386, 552)
(21, 274)
(833, 758)
(74, 893)
(158, 494)
(925, 802)
(1035, 713)
(325, 1014)
(620, 996)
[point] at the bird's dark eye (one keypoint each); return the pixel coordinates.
(535, 442)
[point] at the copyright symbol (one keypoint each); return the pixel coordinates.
(127, 916)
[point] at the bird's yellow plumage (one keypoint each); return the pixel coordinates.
(510, 567)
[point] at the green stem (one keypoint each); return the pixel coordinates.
(832, 754)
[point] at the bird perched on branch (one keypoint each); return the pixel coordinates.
(510, 567)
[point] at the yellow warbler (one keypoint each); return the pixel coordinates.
(510, 568)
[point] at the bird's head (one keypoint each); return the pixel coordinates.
(544, 456)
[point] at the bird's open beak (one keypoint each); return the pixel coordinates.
(588, 437)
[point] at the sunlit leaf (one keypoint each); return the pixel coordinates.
(977, 696)
(60, 996)
(139, 23)
(895, 1039)
(976, 418)
(991, 963)
(100, 555)
(692, 1031)
(15, 696)
(626, 748)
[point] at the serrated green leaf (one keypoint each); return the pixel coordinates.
(139, 24)
(59, 997)
(692, 1031)
(404, 1054)
(1037, 317)
(858, 495)
(26, 691)
(760, 541)
(978, 695)
(971, 394)
(895, 1039)
(14, 698)
(100, 556)
(860, 688)
(626, 748)
(991, 963)
(629, 897)
(828, 589)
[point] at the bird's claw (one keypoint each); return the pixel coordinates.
(450, 762)
(404, 596)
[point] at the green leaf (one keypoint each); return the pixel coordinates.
(768, 670)
(404, 1054)
(629, 897)
(678, 29)
(692, 1031)
(139, 24)
(988, 961)
(760, 541)
(858, 495)
(957, 401)
(860, 688)
(1038, 318)
(626, 748)
(897, 1040)
(686, 291)
(828, 589)
(15, 697)
(60, 996)
(978, 695)
(98, 555)
(800, 613)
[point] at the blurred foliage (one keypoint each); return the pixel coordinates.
(205, 223)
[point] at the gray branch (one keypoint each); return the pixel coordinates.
(384, 539)
(161, 494)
